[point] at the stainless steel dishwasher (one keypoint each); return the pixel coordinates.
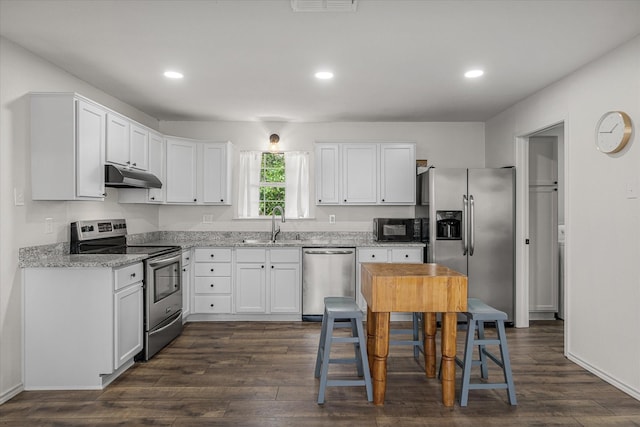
(326, 272)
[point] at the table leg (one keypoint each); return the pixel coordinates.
(380, 353)
(449, 330)
(429, 326)
(371, 336)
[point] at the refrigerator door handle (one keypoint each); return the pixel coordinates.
(472, 227)
(465, 215)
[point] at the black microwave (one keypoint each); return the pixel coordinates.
(397, 229)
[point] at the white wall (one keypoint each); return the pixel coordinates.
(22, 72)
(442, 144)
(602, 223)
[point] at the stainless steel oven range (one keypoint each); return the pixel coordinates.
(162, 277)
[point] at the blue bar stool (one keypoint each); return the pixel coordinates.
(477, 314)
(342, 308)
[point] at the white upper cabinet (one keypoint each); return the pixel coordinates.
(67, 147)
(198, 172)
(156, 166)
(397, 177)
(139, 147)
(215, 172)
(359, 162)
(117, 139)
(365, 173)
(181, 171)
(327, 165)
(127, 142)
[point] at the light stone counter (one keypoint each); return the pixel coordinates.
(57, 255)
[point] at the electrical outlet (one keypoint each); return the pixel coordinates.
(332, 219)
(207, 218)
(48, 225)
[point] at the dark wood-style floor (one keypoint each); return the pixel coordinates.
(261, 374)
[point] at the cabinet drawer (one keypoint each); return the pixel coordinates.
(213, 254)
(372, 255)
(213, 285)
(186, 257)
(407, 255)
(128, 275)
(213, 269)
(212, 304)
(251, 255)
(284, 255)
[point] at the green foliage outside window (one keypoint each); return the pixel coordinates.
(272, 183)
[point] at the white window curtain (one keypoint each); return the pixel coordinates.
(296, 172)
(249, 184)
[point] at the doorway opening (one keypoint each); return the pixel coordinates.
(540, 282)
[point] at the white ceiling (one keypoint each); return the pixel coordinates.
(393, 60)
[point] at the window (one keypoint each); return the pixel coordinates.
(272, 183)
(270, 179)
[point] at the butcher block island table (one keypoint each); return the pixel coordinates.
(426, 288)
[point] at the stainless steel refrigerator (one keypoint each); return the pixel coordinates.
(471, 228)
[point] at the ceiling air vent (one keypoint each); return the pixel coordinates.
(324, 5)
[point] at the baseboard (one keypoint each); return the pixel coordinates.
(11, 393)
(605, 377)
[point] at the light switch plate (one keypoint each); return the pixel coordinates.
(632, 189)
(18, 196)
(48, 225)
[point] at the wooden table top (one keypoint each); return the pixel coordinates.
(391, 287)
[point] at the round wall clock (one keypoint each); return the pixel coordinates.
(613, 131)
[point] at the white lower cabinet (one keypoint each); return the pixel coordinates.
(129, 322)
(268, 280)
(186, 283)
(83, 326)
(400, 254)
(212, 281)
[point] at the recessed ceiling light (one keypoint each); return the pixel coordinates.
(472, 74)
(173, 75)
(324, 75)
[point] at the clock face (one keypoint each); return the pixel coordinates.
(613, 132)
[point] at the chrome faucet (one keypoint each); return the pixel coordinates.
(274, 230)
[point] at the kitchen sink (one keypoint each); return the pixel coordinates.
(258, 241)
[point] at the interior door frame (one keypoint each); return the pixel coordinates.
(521, 319)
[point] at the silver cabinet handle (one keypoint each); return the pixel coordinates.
(465, 215)
(472, 230)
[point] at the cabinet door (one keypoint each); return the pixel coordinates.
(117, 139)
(407, 255)
(214, 173)
(181, 171)
(90, 150)
(327, 164)
(284, 286)
(251, 288)
(156, 166)
(186, 289)
(359, 173)
(397, 174)
(139, 148)
(128, 327)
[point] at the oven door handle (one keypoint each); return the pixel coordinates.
(161, 262)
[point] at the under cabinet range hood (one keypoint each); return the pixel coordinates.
(115, 176)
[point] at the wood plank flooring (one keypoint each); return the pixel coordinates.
(261, 374)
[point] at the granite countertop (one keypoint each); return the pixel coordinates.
(80, 261)
(58, 255)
